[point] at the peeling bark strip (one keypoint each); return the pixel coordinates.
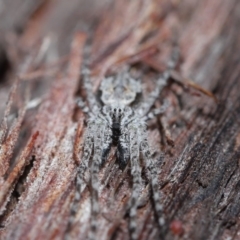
(199, 180)
(9, 181)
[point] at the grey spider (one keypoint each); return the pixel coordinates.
(117, 121)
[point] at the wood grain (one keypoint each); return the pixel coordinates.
(40, 147)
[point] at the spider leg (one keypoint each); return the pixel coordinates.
(161, 83)
(87, 151)
(92, 101)
(157, 111)
(95, 166)
(154, 181)
(136, 174)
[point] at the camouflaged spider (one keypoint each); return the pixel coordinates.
(117, 121)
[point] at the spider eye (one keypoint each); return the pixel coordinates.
(120, 110)
(114, 109)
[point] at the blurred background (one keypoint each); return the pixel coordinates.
(41, 48)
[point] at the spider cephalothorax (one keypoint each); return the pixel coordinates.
(117, 94)
(116, 120)
(120, 89)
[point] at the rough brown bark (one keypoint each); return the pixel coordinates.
(40, 147)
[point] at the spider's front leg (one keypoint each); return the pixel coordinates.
(157, 111)
(91, 98)
(161, 83)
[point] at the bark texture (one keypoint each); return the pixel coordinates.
(41, 131)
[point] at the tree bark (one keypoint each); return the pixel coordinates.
(42, 129)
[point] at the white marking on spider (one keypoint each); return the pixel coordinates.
(115, 121)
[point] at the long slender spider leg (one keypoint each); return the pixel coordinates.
(95, 166)
(87, 151)
(156, 112)
(154, 181)
(136, 174)
(91, 98)
(161, 83)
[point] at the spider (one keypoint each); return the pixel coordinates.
(117, 120)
